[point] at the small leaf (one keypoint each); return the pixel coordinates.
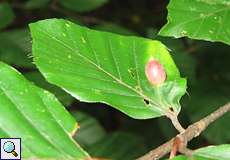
(103, 67)
(6, 15)
(36, 116)
(15, 48)
(198, 19)
(82, 5)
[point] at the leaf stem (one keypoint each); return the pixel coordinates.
(173, 117)
(191, 132)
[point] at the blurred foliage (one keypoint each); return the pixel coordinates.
(111, 27)
(118, 145)
(6, 16)
(36, 4)
(15, 48)
(90, 130)
(82, 5)
(205, 64)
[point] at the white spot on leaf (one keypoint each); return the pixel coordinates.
(83, 40)
(202, 15)
(67, 25)
(183, 33)
(211, 31)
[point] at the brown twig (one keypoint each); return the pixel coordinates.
(191, 132)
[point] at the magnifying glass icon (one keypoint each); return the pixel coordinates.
(9, 147)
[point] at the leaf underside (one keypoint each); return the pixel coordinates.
(95, 66)
(35, 116)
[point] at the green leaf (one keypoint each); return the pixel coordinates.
(181, 157)
(220, 152)
(118, 146)
(15, 47)
(6, 15)
(198, 19)
(39, 80)
(88, 127)
(34, 4)
(82, 5)
(37, 117)
(103, 67)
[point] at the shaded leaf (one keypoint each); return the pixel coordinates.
(82, 5)
(90, 130)
(112, 27)
(15, 48)
(186, 64)
(118, 146)
(37, 117)
(168, 130)
(136, 127)
(6, 15)
(103, 67)
(34, 4)
(198, 19)
(214, 62)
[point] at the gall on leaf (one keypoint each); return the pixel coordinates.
(155, 73)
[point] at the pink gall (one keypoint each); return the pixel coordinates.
(154, 72)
